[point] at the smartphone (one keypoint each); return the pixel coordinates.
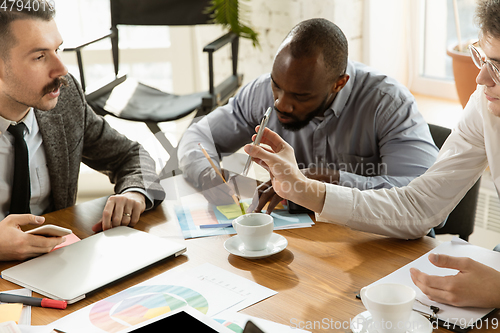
(50, 230)
(293, 208)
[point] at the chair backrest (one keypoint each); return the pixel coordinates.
(154, 12)
(461, 219)
(178, 13)
(159, 12)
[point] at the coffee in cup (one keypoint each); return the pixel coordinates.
(254, 230)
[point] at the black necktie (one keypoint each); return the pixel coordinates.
(21, 190)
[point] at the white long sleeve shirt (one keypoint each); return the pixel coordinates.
(411, 211)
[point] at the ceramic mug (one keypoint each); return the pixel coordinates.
(254, 230)
(390, 305)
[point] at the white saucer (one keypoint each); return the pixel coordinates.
(363, 323)
(276, 244)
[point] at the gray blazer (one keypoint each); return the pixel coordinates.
(73, 133)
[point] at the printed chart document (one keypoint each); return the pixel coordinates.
(461, 318)
(192, 208)
(236, 321)
(192, 216)
(206, 288)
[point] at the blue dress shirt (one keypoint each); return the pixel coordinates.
(372, 132)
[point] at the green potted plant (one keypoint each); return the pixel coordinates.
(230, 14)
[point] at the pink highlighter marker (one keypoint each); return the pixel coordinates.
(33, 301)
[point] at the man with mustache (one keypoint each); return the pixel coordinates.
(348, 123)
(44, 115)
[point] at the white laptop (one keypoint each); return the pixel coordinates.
(73, 271)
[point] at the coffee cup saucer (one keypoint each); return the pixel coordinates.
(234, 245)
(363, 323)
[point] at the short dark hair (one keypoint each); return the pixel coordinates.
(30, 9)
(320, 35)
(488, 17)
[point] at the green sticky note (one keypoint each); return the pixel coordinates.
(232, 211)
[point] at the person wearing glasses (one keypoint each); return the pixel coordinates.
(425, 202)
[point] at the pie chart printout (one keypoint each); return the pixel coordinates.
(138, 304)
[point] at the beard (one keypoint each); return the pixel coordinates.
(298, 124)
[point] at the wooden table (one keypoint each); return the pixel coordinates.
(317, 276)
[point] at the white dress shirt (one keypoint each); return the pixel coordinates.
(411, 211)
(39, 173)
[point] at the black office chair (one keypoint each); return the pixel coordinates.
(461, 220)
(150, 105)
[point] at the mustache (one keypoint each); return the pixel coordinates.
(58, 82)
(286, 114)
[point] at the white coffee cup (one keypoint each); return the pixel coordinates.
(390, 305)
(254, 230)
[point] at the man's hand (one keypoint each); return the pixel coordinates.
(265, 192)
(287, 180)
(214, 189)
(121, 209)
(475, 284)
(15, 244)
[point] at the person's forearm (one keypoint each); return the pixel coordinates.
(309, 193)
(325, 175)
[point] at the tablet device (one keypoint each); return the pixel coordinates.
(185, 319)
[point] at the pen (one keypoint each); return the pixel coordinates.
(211, 162)
(33, 301)
(236, 200)
(218, 225)
(263, 125)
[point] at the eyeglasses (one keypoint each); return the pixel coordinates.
(478, 58)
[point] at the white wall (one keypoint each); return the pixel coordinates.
(273, 20)
(387, 37)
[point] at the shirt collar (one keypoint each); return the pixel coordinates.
(27, 120)
(340, 100)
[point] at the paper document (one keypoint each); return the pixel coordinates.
(191, 214)
(236, 322)
(232, 211)
(457, 247)
(26, 313)
(206, 288)
(10, 312)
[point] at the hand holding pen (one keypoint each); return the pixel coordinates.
(234, 196)
(263, 125)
